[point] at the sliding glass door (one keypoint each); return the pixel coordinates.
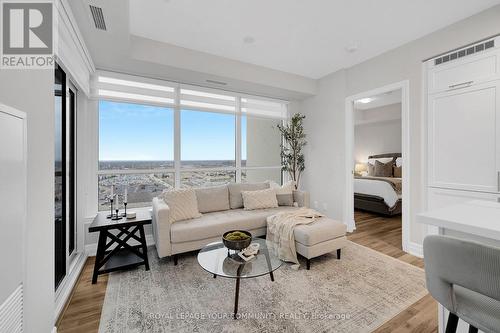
(64, 173)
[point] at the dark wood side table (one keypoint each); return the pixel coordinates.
(124, 255)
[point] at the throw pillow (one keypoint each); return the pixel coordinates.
(284, 193)
(383, 169)
(371, 170)
(398, 172)
(235, 189)
(182, 203)
(259, 199)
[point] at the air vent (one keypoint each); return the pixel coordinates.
(465, 52)
(11, 312)
(217, 82)
(98, 17)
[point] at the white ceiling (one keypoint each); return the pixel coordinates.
(307, 38)
(392, 97)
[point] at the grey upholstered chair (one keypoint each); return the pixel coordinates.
(464, 277)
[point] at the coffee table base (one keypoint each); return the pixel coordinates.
(237, 294)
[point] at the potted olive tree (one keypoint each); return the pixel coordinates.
(294, 140)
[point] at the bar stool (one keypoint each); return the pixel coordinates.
(464, 277)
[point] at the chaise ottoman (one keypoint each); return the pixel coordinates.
(323, 236)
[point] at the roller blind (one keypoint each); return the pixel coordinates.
(206, 99)
(254, 106)
(131, 88)
(134, 88)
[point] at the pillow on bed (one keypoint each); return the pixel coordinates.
(399, 161)
(371, 169)
(383, 169)
(381, 160)
(398, 171)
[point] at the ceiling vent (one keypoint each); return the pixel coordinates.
(217, 82)
(98, 17)
(465, 52)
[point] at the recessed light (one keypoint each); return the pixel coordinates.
(365, 100)
(352, 47)
(248, 40)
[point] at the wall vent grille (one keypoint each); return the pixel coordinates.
(11, 312)
(465, 52)
(98, 17)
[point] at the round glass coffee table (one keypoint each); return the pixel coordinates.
(218, 260)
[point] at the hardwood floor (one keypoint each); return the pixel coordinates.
(83, 311)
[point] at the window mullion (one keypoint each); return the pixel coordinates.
(238, 139)
(177, 139)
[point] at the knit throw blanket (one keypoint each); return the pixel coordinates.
(280, 232)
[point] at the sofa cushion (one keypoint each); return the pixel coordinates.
(182, 203)
(212, 199)
(322, 230)
(217, 223)
(260, 199)
(235, 189)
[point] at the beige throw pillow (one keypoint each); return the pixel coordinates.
(284, 193)
(259, 199)
(371, 170)
(182, 203)
(235, 189)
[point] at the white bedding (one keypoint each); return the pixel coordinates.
(378, 188)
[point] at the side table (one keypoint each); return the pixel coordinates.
(123, 255)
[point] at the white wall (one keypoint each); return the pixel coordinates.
(378, 136)
(324, 153)
(325, 112)
(31, 91)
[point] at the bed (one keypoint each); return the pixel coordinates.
(381, 195)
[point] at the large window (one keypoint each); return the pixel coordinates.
(64, 173)
(136, 151)
(155, 135)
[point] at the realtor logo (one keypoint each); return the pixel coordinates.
(27, 34)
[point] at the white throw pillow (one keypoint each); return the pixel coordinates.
(259, 199)
(284, 193)
(182, 203)
(399, 161)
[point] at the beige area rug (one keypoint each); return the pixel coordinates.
(358, 293)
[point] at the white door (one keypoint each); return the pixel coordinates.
(463, 140)
(12, 219)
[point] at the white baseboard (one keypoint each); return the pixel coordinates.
(69, 282)
(91, 249)
(415, 249)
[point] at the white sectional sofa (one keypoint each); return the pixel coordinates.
(222, 210)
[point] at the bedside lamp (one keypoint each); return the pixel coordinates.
(360, 169)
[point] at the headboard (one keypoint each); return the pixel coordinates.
(393, 155)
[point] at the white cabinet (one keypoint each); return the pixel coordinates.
(464, 138)
(473, 69)
(463, 126)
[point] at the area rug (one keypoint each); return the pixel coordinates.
(358, 293)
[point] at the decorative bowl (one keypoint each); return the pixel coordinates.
(234, 243)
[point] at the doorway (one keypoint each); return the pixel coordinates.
(373, 195)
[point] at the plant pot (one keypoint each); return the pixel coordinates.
(237, 245)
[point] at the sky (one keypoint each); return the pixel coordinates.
(146, 133)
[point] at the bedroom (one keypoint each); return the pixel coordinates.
(377, 150)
